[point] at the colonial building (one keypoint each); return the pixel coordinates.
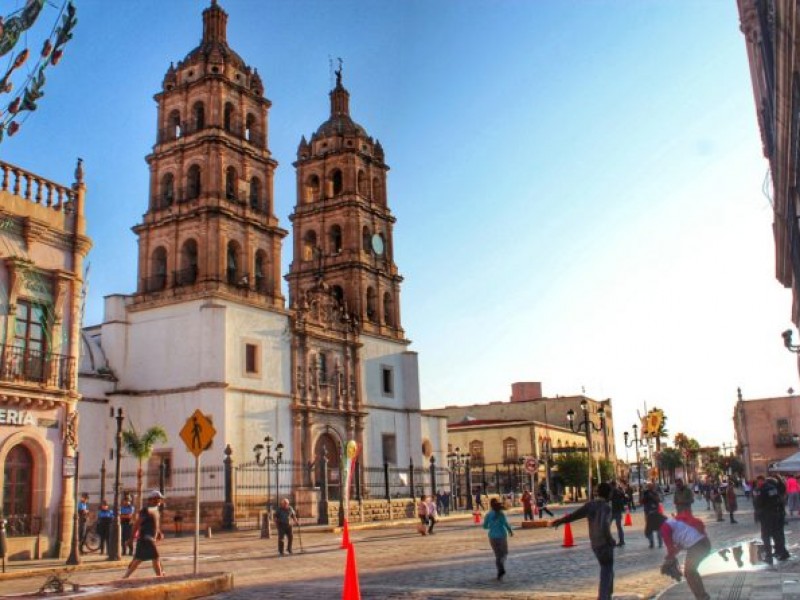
(208, 327)
(42, 247)
(528, 405)
(767, 430)
(770, 30)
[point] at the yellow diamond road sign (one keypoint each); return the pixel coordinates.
(197, 433)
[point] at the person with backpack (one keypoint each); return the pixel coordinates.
(683, 532)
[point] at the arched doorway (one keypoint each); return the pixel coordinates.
(18, 482)
(326, 443)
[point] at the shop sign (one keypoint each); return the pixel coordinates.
(9, 416)
(70, 466)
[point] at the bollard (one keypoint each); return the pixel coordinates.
(266, 532)
(208, 531)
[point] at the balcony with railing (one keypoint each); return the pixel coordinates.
(33, 188)
(21, 365)
(784, 440)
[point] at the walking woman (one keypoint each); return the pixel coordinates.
(499, 530)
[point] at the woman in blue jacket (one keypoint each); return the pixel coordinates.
(499, 530)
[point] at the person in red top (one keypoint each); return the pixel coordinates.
(527, 505)
(683, 532)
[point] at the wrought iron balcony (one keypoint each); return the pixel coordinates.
(23, 365)
(783, 440)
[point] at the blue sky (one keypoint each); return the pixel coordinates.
(579, 186)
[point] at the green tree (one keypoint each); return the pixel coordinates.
(573, 469)
(671, 459)
(141, 448)
(607, 471)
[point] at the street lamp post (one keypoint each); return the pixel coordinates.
(266, 461)
(115, 539)
(587, 426)
(635, 442)
(547, 452)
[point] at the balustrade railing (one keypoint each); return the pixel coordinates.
(36, 189)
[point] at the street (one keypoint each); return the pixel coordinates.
(455, 562)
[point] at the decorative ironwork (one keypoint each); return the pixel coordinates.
(25, 365)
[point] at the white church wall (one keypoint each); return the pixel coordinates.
(397, 424)
(379, 355)
(251, 417)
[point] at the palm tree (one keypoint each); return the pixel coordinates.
(141, 447)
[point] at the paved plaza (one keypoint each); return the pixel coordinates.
(455, 562)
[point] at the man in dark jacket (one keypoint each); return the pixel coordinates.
(598, 515)
(769, 509)
(651, 500)
(618, 503)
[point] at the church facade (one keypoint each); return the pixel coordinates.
(208, 327)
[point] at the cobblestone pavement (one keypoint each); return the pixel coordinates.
(399, 564)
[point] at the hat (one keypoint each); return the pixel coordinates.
(155, 494)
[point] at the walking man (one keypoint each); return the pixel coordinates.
(650, 503)
(598, 515)
(618, 502)
(284, 517)
(147, 530)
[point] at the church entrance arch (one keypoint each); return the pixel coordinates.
(327, 444)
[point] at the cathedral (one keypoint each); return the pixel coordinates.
(208, 327)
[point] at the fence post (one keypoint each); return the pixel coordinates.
(228, 513)
(468, 467)
(386, 479)
(323, 502)
(433, 476)
(411, 478)
(103, 480)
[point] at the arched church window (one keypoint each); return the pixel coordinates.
(193, 186)
(366, 239)
(261, 272)
(388, 309)
(255, 193)
(250, 125)
(18, 482)
(232, 262)
(167, 190)
(228, 117)
(312, 188)
(174, 125)
(230, 183)
(372, 309)
(338, 182)
(309, 245)
(336, 239)
(362, 183)
(188, 273)
(338, 293)
(159, 270)
(199, 113)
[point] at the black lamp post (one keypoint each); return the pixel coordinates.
(547, 453)
(266, 461)
(587, 426)
(115, 539)
(635, 442)
(455, 460)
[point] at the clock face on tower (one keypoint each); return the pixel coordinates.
(377, 244)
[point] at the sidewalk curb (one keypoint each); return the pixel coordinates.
(42, 571)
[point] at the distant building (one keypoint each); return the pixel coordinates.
(771, 36)
(502, 432)
(767, 430)
(42, 247)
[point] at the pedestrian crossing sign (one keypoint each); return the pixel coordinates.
(198, 433)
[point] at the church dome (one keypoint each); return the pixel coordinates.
(339, 125)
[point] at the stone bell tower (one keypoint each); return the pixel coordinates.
(210, 225)
(342, 223)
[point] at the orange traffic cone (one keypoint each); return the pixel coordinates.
(628, 521)
(568, 541)
(476, 517)
(345, 537)
(351, 590)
